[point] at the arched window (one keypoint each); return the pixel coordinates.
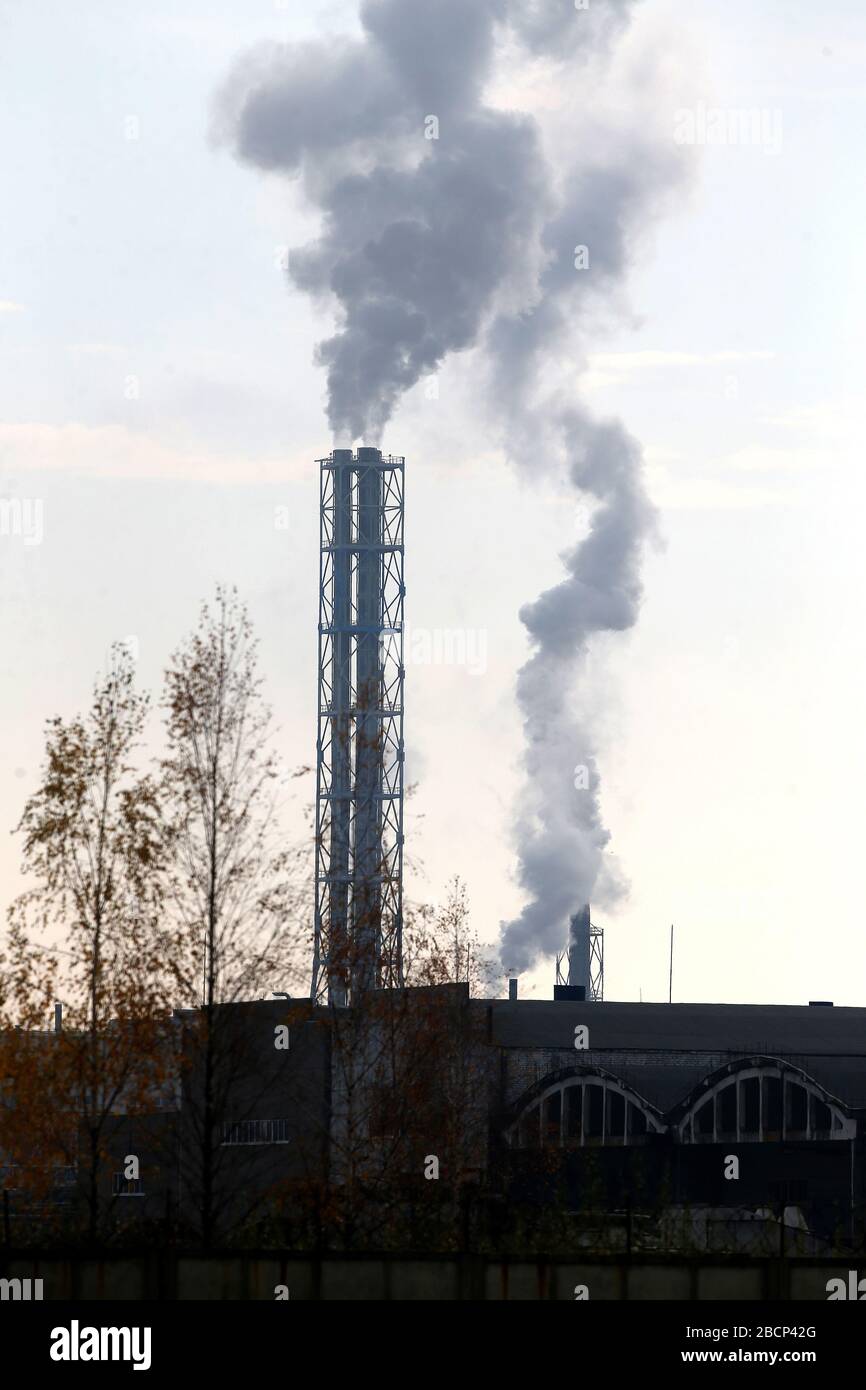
(584, 1109)
(761, 1101)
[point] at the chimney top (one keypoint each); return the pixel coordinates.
(570, 993)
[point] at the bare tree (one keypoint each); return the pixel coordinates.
(233, 889)
(441, 947)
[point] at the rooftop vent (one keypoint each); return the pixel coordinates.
(820, 1003)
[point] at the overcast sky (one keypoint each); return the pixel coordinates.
(160, 414)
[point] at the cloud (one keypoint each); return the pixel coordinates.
(711, 494)
(840, 423)
(617, 368)
(118, 452)
(95, 350)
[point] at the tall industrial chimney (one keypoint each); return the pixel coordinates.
(359, 785)
(367, 792)
(340, 671)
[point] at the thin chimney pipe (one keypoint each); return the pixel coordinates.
(671, 972)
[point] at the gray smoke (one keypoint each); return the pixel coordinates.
(419, 234)
(423, 243)
(561, 837)
(560, 834)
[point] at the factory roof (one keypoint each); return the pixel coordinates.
(735, 1028)
(663, 1051)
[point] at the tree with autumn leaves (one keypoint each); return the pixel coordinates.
(160, 894)
(89, 932)
(150, 890)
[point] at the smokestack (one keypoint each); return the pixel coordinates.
(366, 891)
(579, 950)
(340, 732)
(512, 991)
(58, 1018)
(359, 782)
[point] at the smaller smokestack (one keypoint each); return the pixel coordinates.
(512, 991)
(58, 1018)
(579, 950)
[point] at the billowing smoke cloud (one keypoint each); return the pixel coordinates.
(440, 214)
(432, 201)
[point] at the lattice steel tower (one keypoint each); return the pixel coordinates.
(359, 765)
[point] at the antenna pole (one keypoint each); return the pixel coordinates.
(671, 972)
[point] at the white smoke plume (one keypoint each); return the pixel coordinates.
(560, 834)
(438, 210)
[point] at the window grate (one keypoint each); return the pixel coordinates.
(236, 1132)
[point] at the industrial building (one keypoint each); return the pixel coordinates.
(379, 1114)
(631, 1132)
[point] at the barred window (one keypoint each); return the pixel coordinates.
(255, 1132)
